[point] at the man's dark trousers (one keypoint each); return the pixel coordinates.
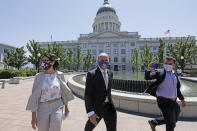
(110, 118)
(170, 110)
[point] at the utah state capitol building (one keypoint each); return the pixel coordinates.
(107, 37)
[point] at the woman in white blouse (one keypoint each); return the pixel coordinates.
(50, 94)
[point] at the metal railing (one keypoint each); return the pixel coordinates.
(137, 86)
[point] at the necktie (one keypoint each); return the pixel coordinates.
(105, 78)
(106, 84)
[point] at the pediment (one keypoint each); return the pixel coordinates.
(106, 35)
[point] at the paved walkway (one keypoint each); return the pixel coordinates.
(13, 116)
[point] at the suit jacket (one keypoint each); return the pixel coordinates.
(96, 92)
(34, 99)
(159, 75)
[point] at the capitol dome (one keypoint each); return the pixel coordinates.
(106, 7)
(106, 19)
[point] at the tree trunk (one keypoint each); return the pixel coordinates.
(182, 68)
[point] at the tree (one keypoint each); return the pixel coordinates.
(78, 58)
(184, 52)
(20, 58)
(58, 50)
(9, 59)
(36, 53)
(146, 56)
(134, 60)
(88, 60)
(160, 54)
(16, 58)
(69, 59)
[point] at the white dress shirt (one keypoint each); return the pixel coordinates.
(104, 74)
(51, 89)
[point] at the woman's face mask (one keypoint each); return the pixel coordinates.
(103, 64)
(45, 65)
(168, 67)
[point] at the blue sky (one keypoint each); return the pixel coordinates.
(23, 20)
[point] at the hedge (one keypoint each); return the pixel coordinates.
(8, 73)
(190, 71)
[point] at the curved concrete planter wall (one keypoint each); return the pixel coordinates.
(138, 103)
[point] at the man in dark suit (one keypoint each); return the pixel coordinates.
(166, 88)
(98, 101)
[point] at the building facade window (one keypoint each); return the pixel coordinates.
(123, 67)
(115, 44)
(154, 54)
(85, 45)
(108, 45)
(106, 25)
(132, 51)
(93, 46)
(115, 59)
(132, 43)
(123, 51)
(123, 45)
(101, 51)
(108, 51)
(123, 59)
(2, 50)
(94, 52)
(154, 48)
(141, 48)
(74, 50)
(116, 51)
(84, 52)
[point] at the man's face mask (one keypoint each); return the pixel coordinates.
(168, 67)
(103, 64)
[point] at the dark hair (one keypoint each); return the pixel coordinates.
(53, 57)
(171, 58)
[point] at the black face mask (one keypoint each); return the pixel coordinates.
(45, 65)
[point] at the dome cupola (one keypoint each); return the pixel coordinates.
(106, 19)
(106, 7)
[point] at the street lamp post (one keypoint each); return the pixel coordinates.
(38, 56)
(182, 62)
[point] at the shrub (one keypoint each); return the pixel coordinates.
(64, 71)
(80, 71)
(190, 71)
(6, 74)
(31, 72)
(19, 73)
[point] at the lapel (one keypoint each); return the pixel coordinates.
(109, 78)
(163, 75)
(102, 79)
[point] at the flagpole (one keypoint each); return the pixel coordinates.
(170, 34)
(51, 38)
